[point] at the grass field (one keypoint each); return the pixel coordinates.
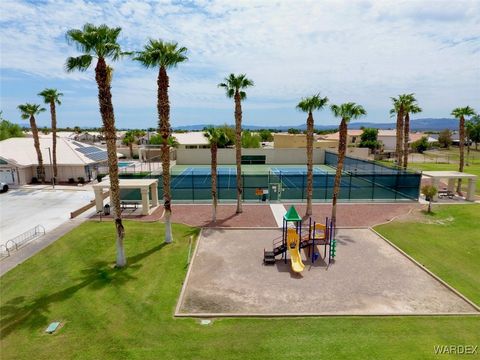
(127, 314)
(447, 242)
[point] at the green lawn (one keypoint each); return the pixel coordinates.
(118, 314)
(447, 243)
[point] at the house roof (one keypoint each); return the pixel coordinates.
(21, 152)
(191, 138)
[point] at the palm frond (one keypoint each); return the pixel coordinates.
(81, 63)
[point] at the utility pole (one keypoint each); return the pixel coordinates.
(51, 167)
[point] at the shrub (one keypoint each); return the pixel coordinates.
(71, 180)
(429, 191)
(34, 180)
(81, 180)
(99, 177)
(421, 145)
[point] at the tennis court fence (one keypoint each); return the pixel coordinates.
(361, 181)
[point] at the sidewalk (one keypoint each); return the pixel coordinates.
(32, 248)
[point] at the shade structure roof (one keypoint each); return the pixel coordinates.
(292, 215)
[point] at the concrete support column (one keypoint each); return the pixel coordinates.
(451, 185)
(98, 198)
(436, 183)
(154, 191)
(145, 201)
(471, 189)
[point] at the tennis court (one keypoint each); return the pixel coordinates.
(362, 180)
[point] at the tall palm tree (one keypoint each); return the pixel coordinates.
(460, 113)
(28, 112)
(52, 97)
(234, 86)
(399, 104)
(346, 112)
(309, 105)
(469, 130)
(100, 42)
(164, 55)
(217, 138)
(410, 107)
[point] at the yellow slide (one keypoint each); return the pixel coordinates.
(293, 248)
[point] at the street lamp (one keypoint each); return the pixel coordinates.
(51, 167)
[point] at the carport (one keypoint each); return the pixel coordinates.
(146, 187)
(451, 176)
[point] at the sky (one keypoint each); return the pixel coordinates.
(360, 51)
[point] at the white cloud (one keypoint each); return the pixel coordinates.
(363, 51)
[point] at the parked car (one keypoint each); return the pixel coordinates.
(3, 187)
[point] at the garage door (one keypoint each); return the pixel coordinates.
(7, 176)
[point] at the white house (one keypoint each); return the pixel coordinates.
(18, 160)
(191, 140)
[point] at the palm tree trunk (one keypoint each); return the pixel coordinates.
(36, 143)
(238, 149)
(406, 136)
(399, 136)
(309, 163)
(342, 148)
(163, 108)
(108, 118)
(130, 146)
(53, 113)
(213, 150)
(461, 144)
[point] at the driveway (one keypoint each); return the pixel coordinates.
(23, 209)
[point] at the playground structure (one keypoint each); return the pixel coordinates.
(292, 241)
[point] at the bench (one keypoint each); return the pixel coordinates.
(446, 193)
(129, 204)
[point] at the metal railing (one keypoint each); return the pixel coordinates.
(21, 240)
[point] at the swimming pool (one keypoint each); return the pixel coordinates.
(125, 164)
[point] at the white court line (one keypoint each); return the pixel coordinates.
(278, 210)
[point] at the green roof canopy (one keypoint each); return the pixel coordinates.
(292, 215)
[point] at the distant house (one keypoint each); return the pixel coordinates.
(191, 140)
(353, 137)
(18, 160)
(289, 141)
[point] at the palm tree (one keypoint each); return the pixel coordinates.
(460, 114)
(410, 107)
(100, 42)
(28, 112)
(469, 130)
(399, 109)
(164, 55)
(129, 140)
(346, 112)
(52, 97)
(217, 138)
(309, 105)
(234, 86)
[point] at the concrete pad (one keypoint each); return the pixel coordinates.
(369, 277)
(23, 209)
(278, 210)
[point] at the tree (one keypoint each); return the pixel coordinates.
(369, 139)
(163, 55)
(235, 86)
(100, 42)
(309, 105)
(420, 145)
(293, 131)
(460, 113)
(429, 191)
(29, 111)
(52, 97)
(266, 135)
(399, 104)
(445, 138)
(346, 112)
(475, 130)
(77, 130)
(128, 140)
(410, 107)
(216, 138)
(250, 140)
(9, 130)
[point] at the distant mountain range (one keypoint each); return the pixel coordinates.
(425, 124)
